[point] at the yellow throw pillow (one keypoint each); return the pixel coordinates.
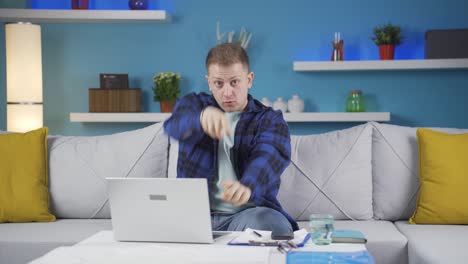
(24, 195)
(443, 176)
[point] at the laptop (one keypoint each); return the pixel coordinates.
(160, 210)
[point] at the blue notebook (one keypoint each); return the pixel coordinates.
(306, 257)
(348, 236)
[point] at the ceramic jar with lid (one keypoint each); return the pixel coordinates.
(266, 102)
(138, 4)
(296, 104)
(355, 102)
(279, 104)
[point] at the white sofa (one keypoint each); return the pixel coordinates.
(366, 176)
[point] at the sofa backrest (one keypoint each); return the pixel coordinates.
(78, 167)
(329, 173)
(395, 170)
(363, 172)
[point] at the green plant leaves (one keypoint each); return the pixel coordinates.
(387, 34)
(166, 86)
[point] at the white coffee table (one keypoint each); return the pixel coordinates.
(102, 248)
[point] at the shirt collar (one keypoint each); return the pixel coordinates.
(253, 105)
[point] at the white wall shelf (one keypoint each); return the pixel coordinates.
(82, 16)
(380, 65)
(337, 117)
(289, 117)
(119, 117)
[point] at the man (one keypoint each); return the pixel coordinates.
(240, 146)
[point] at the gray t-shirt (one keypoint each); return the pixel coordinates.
(225, 168)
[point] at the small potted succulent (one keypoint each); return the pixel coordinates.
(166, 90)
(387, 37)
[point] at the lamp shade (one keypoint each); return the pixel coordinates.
(23, 76)
(23, 118)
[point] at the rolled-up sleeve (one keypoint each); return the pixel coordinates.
(184, 123)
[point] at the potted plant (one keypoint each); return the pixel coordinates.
(387, 37)
(166, 90)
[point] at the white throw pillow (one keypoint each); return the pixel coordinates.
(395, 170)
(78, 167)
(329, 173)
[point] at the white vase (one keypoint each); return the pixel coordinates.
(279, 104)
(296, 104)
(266, 102)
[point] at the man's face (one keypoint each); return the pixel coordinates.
(230, 85)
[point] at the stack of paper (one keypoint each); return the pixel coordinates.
(249, 237)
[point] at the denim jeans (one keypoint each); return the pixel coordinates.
(261, 218)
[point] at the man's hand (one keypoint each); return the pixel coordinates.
(214, 122)
(235, 193)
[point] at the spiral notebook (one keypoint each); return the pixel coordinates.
(253, 237)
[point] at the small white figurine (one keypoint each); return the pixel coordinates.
(279, 104)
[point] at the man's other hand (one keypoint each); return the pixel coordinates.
(214, 122)
(235, 193)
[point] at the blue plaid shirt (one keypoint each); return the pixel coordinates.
(261, 151)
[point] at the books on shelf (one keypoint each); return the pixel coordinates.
(348, 236)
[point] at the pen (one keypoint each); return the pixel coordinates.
(257, 233)
(284, 247)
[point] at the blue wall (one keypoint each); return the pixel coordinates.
(283, 32)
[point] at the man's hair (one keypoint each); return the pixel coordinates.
(227, 54)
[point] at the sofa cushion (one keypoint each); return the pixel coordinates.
(385, 243)
(329, 173)
(443, 177)
(79, 166)
(431, 244)
(23, 242)
(24, 194)
(395, 170)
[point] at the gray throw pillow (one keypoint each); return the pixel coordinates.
(395, 170)
(329, 173)
(78, 167)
